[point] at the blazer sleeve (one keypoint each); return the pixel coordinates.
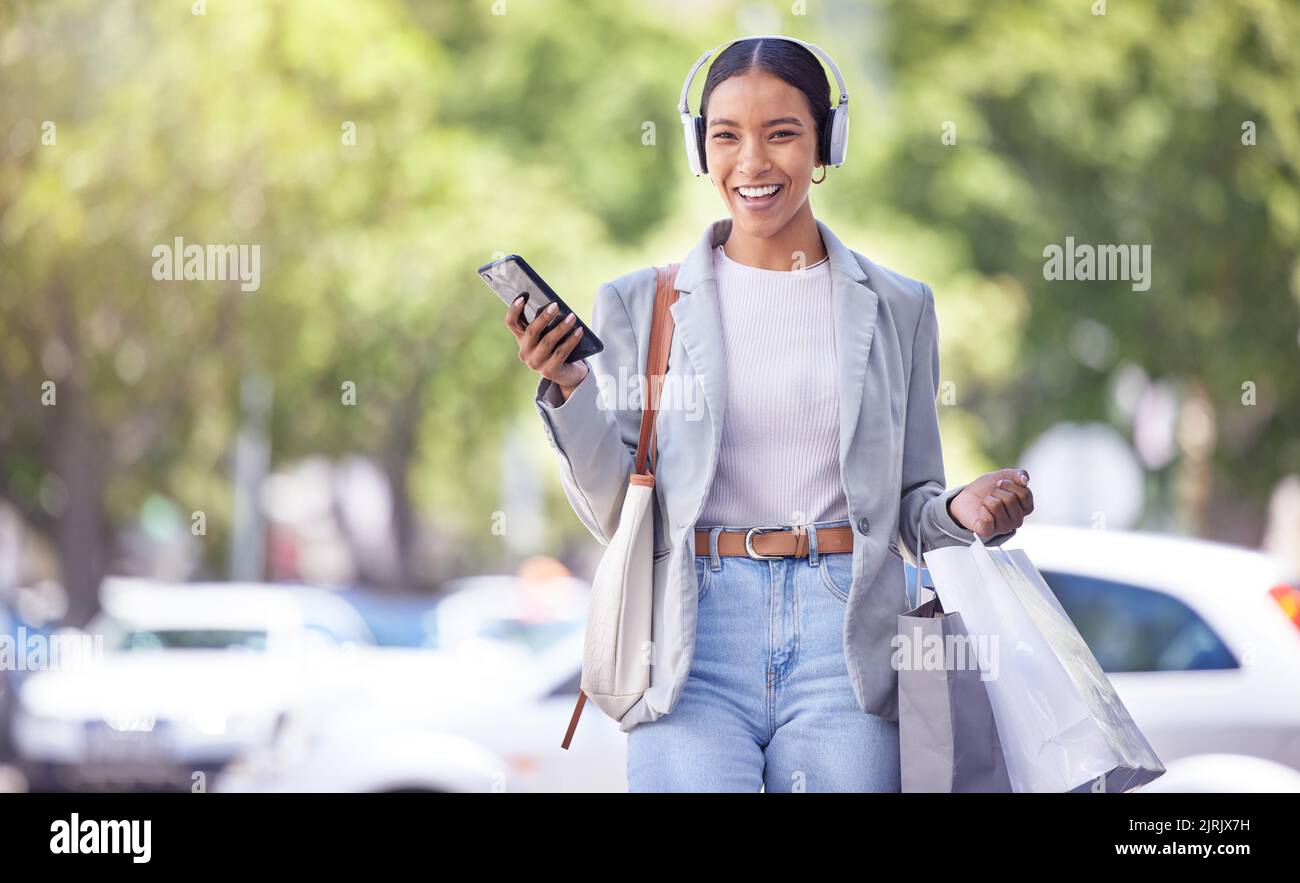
(594, 437)
(924, 501)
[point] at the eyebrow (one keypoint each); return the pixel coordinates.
(723, 121)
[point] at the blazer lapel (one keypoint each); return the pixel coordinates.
(698, 323)
(854, 307)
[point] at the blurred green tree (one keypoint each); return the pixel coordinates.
(1172, 124)
(377, 153)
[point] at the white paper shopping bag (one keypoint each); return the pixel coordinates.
(1060, 722)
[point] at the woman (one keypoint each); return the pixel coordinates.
(771, 665)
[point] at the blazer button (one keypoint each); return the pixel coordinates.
(863, 525)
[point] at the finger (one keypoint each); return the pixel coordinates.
(561, 354)
(543, 347)
(1022, 493)
(552, 338)
(516, 310)
(515, 316)
(984, 522)
(1020, 485)
(535, 328)
(998, 510)
(1016, 476)
(1011, 502)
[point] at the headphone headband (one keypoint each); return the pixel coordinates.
(683, 106)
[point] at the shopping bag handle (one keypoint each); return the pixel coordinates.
(920, 544)
(920, 554)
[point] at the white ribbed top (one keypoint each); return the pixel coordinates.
(780, 457)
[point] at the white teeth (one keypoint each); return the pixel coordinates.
(758, 191)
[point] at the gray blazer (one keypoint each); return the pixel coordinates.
(886, 338)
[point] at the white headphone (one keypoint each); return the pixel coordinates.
(835, 134)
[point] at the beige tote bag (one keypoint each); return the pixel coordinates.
(616, 649)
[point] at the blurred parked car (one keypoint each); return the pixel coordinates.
(485, 712)
(396, 620)
(1201, 641)
(21, 637)
(189, 676)
(8, 631)
(1225, 774)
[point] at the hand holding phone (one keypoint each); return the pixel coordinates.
(552, 339)
(547, 352)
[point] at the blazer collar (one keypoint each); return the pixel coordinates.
(698, 324)
(698, 265)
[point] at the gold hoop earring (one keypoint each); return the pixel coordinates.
(822, 178)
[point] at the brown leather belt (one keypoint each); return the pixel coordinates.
(775, 542)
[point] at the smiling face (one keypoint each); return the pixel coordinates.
(759, 134)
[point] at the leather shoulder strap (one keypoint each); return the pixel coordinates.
(661, 336)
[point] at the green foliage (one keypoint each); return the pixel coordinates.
(1118, 128)
(474, 134)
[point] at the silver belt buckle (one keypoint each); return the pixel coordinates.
(749, 542)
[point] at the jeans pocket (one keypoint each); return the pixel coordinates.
(837, 573)
(703, 575)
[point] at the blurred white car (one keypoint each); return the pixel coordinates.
(1200, 639)
(189, 676)
(1225, 773)
(484, 712)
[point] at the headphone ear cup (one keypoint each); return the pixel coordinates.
(828, 135)
(699, 144)
(824, 142)
(837, 130)
(691, 142)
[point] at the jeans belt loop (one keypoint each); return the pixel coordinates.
(715, 563)
(813, 560)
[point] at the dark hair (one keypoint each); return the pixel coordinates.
(782, 58)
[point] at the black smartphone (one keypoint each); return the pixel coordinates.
(511, 276)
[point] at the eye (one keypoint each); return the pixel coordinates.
(721, 134)
(783, 132)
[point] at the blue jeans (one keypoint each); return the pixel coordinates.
(768, 703)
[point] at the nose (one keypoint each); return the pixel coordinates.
(753, 158)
